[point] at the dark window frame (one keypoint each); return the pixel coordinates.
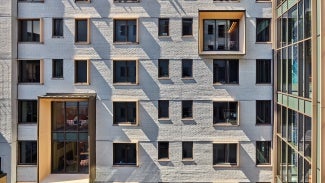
(266, 37)
(79, 40)
(34, 66)
(128, 38)
(187, 23)
(163, 150)
(227, 73)
(266, 152)
(187, 154)
(33, 153)
(187, 68)
(263, 71)
(55, 71)
(226, 154)
(127, 71)
(161, 72)
(127, 152)
(57, 31)
(77, 79)
(187, 109)
(34, 37)
(163, 113)
(33, 115)
(228, 112)
(261, 110)
(126, 106)
(163, 27)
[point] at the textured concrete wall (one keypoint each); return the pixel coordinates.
(102, 51)
(7, 87)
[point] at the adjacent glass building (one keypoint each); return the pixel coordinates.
(297, 137)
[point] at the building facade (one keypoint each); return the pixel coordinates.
(299, 125)
(140, 91)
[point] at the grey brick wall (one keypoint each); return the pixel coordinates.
(102, 51)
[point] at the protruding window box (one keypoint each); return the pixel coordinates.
(222, 32)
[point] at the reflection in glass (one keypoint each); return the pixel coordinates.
(221, 35)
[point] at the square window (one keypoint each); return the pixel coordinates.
(163, 150)
(29, 30)
(125, 71)
(27, 111)
(57, 68)
(187, 68)
(187, 26)
(263, 152)
(263, 32)
(125, 30)
(187, 109)
(29, 71)
(163, 109)
(27, 152)
(225, 71)
(81, 31)
(81, 71)
(163, 68)
(125, 113)
(163, 27)
(124, 153)
(57, 27)
(263, 112)
(225, 154)
(225, 112)
(220, 35)
(187, 148)
(263, 71)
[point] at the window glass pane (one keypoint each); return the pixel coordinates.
(83, 116)
(58, 116)
(284, 122)
(225, 112)
(57, 68)
(124, 112)
(163, 148)
(163, 68)
(301, 69)
(163, 109)
(187, 68)
(263, 152)
(232, 153)
(293, 127)
(81, 30)
(27, 152)
(27, 111)
(125, 30)
(187, 149)
(263, 30)
(284, 70)
(187, 111)
(221, 35)
(308, 71)
(263, 112)
(292, 165)
(285, 30)
(307, 136)
(307, 18)
(163, 27)
(29, 71)
(124, 72)
(292, 25)
(125, 154)
(57, 27)
(225, 71)
(263, 71)
(70, 137)
(219, 153)
(300, 21)
(81, 71)
(187, 26)
(71, 116)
